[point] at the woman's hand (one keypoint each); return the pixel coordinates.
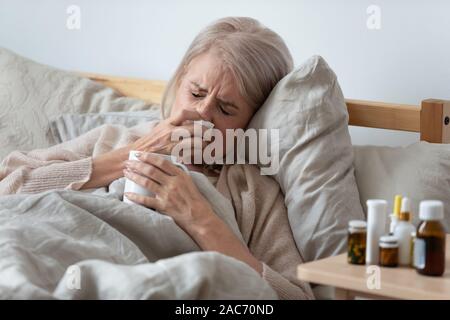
(176, 195)
(159, 140)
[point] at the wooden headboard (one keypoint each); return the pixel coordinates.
(431, 118)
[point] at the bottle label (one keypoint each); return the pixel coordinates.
(419, 253)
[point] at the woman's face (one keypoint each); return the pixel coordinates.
(208, 88)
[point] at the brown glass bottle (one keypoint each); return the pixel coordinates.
(429, 246)
(356, 242)
(388, 251)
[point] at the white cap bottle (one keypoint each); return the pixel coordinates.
(429, 247)
(376, 227)
(402, 232)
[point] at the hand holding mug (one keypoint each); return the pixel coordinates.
(173, 192)
(143, 189)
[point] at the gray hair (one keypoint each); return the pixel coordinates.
(256, 56)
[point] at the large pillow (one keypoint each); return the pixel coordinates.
(30, 93)
(419, 171)
(69, 126)
(316, 170)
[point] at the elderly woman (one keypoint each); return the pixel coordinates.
(224, 77)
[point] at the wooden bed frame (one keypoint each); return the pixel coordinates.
(431, 118)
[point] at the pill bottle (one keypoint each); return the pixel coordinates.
(429, 245)
(356, 242)
(388, 251)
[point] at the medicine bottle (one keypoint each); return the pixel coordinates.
(376, 227)
(402, 232)
(429, 246)
(356, 242)
(389, 251)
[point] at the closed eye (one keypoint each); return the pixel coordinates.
(223, 110)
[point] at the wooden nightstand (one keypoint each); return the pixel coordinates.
(351, 281)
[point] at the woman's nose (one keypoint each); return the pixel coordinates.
(206, 109)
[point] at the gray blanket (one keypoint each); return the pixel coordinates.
(90, 245)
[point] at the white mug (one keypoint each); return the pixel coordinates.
(131, 186)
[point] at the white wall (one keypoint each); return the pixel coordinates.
(405, 61)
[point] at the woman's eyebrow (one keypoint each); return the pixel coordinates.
(227, 103)
(198, 86)
(222, 101)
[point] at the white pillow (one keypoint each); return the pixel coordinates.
(69, 126)
(316, 157)
(31, 93)
(419, 171)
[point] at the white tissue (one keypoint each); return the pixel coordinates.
(205, 123)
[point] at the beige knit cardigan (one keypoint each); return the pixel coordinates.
(257, 200)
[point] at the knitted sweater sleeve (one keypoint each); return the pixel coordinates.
(64, 166)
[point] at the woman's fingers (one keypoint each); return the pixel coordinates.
(145, 182)
(164, 165)
(149, 202)
(183, 131)
(183, 116)
(147, 170)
